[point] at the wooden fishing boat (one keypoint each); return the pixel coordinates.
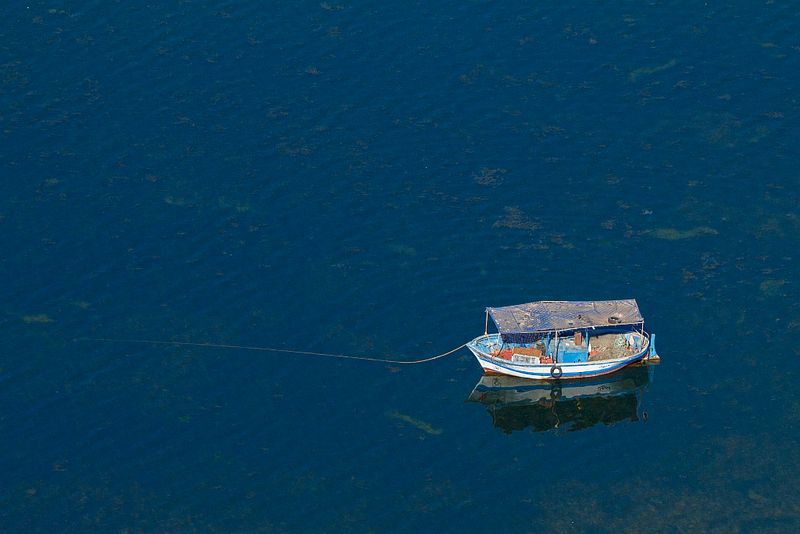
(554, 340)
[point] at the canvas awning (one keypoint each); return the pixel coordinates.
(549, 315)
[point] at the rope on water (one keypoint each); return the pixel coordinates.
(271, 349)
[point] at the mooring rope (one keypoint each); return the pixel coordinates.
(271, 349)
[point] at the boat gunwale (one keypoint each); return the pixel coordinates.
(472, 346)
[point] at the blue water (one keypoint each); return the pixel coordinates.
(365, 178)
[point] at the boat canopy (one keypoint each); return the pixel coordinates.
(550, 315)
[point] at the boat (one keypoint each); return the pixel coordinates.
(518, 403)
(559, 340)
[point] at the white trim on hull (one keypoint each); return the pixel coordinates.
(544, 371)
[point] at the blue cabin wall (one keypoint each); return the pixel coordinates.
(568, 352)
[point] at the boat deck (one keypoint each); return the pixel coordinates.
(609, 346)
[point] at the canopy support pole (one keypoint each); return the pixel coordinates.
(486, 327)
(555, 354)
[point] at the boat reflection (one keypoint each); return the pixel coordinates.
(518, 403)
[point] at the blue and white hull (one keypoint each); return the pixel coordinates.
(486, 349)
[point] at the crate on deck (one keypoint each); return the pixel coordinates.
(507, 354)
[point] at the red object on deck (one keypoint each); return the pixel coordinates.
(578, 338)
(504, 354)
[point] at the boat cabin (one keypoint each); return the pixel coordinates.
(550, 332)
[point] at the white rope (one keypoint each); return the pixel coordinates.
(270, 349)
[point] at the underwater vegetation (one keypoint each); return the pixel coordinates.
(416, 423)
(661, 504)
(772, 287)
(672, 234)
(40, 319)
(490, 177)
(642, 71)
(516, 219)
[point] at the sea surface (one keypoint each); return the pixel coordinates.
(365, 178)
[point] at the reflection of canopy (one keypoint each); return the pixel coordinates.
(519, 403)
(552, 315)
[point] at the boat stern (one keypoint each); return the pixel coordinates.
(652, 356)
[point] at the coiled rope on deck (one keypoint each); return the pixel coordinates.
(272, 349)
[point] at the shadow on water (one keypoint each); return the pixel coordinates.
(517, 403)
